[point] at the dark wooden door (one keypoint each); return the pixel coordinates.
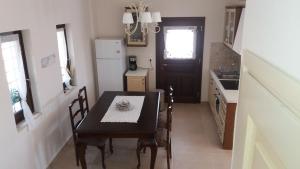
(182, 70)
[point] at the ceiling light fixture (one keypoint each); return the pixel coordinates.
(139, 12)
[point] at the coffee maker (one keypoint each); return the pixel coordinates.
(132, 63)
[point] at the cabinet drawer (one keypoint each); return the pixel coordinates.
(223, 110)
(221, 135)
(136, 84)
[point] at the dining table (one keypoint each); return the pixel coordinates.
(145, 127)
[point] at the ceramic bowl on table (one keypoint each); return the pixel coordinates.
(123, 105)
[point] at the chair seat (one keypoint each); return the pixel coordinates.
(160, 138)
(92, 141)
(162, 119)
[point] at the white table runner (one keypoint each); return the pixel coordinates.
(131, 116)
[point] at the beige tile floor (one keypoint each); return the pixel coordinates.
(195, 146)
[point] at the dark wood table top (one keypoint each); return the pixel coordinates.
(145, 128)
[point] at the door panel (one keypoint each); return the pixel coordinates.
(259, 151)
(267, 132)
(187, 87)
(185, 73)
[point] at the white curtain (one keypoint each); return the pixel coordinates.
(22, 86)
(62, 49)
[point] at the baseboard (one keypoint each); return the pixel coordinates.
(60, 149)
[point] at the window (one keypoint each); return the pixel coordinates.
(13, 55)
(64, 58)
(180, 42)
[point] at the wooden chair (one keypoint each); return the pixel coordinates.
(162, 139)
(162, 117)
(76, 116)
(83, 93)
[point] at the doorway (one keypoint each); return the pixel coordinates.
(179, 55)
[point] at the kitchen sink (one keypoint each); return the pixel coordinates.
(230, 84)
(224, 76)
(227, 75)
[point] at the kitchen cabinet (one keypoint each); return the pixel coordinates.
(137, 80)
(232, 18)
(224, 114)
(211, 94)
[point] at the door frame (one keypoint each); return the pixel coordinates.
(183, 21)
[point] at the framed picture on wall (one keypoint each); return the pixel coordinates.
(138, 38)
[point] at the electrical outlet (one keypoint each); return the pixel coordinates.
(150, 61)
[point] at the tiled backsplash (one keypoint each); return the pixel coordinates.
(223, 58)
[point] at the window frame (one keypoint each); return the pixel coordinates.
(63, 26)
(19, 116)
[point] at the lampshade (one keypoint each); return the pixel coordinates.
(140, 14)
(145, 17)
(156, 17)
(127, 18)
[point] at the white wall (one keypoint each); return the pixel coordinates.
(21, 148)
(271, 31)
(108, 23)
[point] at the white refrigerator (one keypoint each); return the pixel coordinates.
(111, 64)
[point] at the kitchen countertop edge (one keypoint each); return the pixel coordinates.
(141, 72)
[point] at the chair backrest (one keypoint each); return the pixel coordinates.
(76, 114)
(170, 101)
(169, 117)
(83, 93)
(169, 122)
(170, 112)
(171, 96)
(170, 108)
(171, 90)
(171, 93)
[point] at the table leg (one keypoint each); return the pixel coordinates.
(82, 148)
(153, 155)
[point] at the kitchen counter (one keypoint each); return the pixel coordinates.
(223, 104)
(137, 80)
(231, 96)
(140, 72)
